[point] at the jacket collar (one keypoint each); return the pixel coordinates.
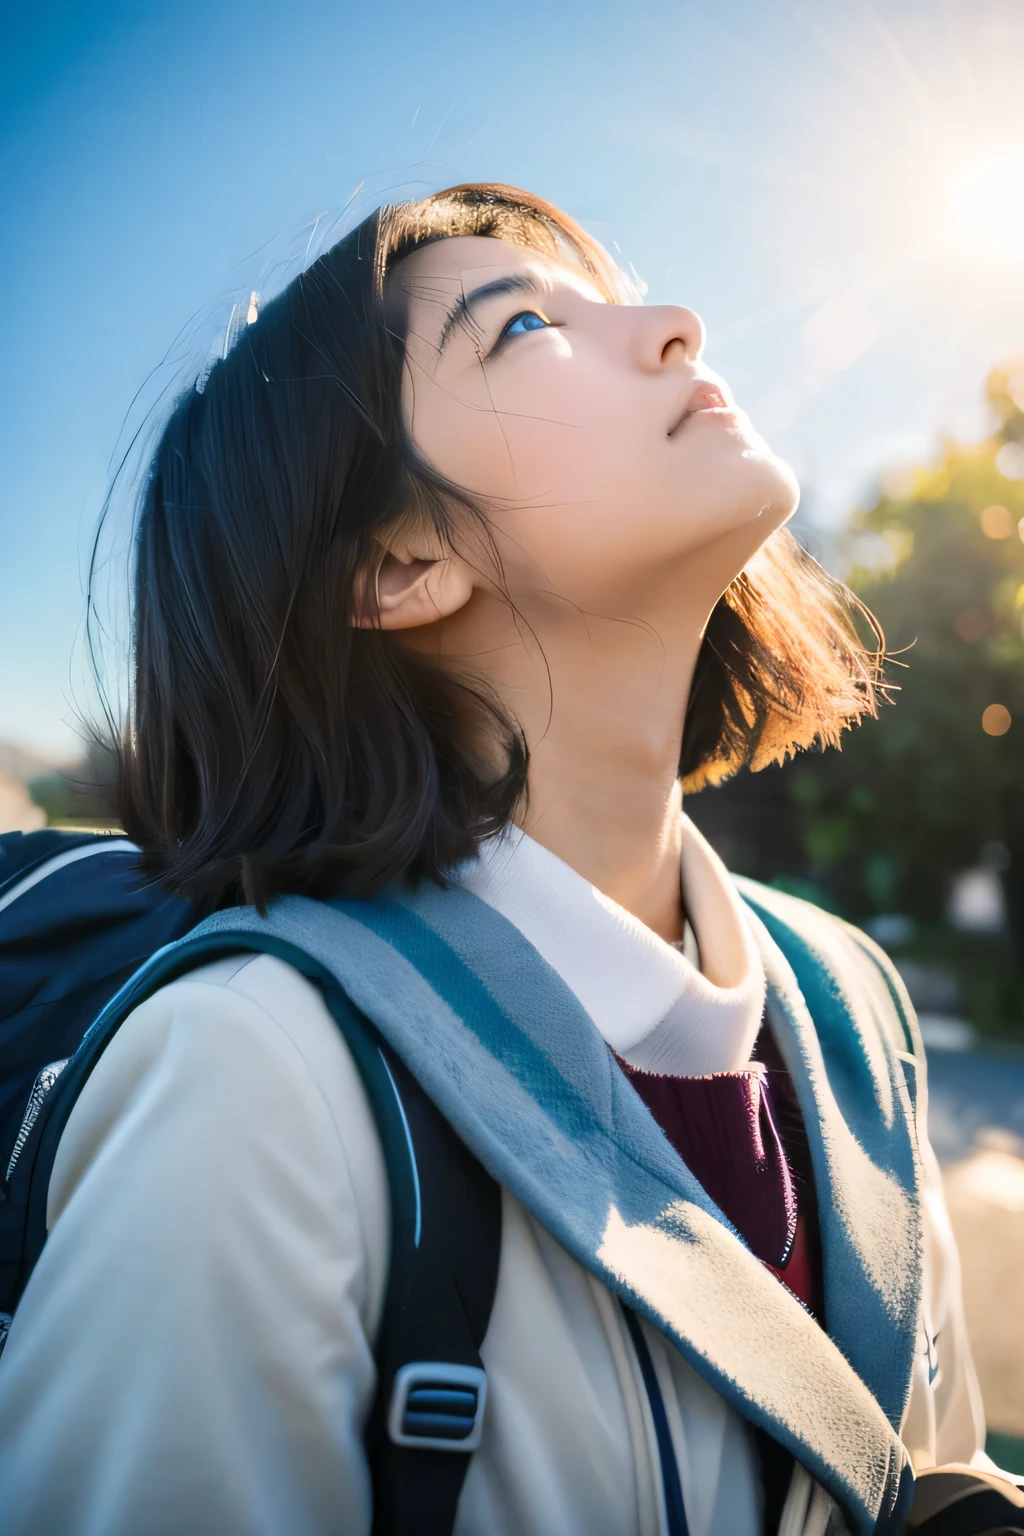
(706, 1007)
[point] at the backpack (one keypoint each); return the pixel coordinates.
(76, 920)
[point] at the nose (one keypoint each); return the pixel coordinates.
(669, 336)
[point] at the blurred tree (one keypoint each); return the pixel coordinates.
(918, 795)
(935, 785)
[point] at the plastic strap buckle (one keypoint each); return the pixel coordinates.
(438, 1407)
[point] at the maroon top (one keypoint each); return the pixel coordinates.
(742, 1136)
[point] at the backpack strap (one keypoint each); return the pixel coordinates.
(426, 1418)
(432, 1389)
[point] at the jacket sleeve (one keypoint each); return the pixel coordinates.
(193, 1351)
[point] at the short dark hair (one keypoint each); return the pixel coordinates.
(270, 744)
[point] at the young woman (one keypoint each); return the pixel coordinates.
(452, 576)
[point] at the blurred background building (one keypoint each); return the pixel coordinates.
(837, 188)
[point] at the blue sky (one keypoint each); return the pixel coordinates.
(782, 166)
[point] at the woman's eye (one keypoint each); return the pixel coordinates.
(528, 320)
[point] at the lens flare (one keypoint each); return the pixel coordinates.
(986, 204)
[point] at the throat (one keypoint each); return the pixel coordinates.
(636, 865)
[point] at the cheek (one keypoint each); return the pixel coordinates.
(563, 456)
(556, 428)
(584, 490)
(568, 437)
(460, 435)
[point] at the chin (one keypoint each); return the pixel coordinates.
(765, 486)
(757, 502)
(781, 482)
(744, 482)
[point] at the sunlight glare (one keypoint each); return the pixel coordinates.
(986, 204)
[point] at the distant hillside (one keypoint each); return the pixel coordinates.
(17, 812)
(21, 764)
(76, 791)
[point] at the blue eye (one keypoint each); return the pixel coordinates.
(520, 324)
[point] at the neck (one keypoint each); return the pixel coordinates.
(604, 790)
(621, 831)
(602, 702)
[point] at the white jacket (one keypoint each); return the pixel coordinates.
(194, 1352)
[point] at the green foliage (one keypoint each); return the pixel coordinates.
(916, 795)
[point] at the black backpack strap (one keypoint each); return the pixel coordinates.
(427, 1415)
(432, 1389)
(445, 1245)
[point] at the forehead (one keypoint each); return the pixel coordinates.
(453, 266)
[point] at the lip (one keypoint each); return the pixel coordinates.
(705, 399)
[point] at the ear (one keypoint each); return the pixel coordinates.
(406, 591)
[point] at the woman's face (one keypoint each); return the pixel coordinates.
(608, 454)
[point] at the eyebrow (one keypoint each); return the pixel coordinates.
(514, 282)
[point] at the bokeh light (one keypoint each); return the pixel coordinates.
(1010, 461)
(996, 720)
(997, 522)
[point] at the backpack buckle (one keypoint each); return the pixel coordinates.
(438, 1407)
